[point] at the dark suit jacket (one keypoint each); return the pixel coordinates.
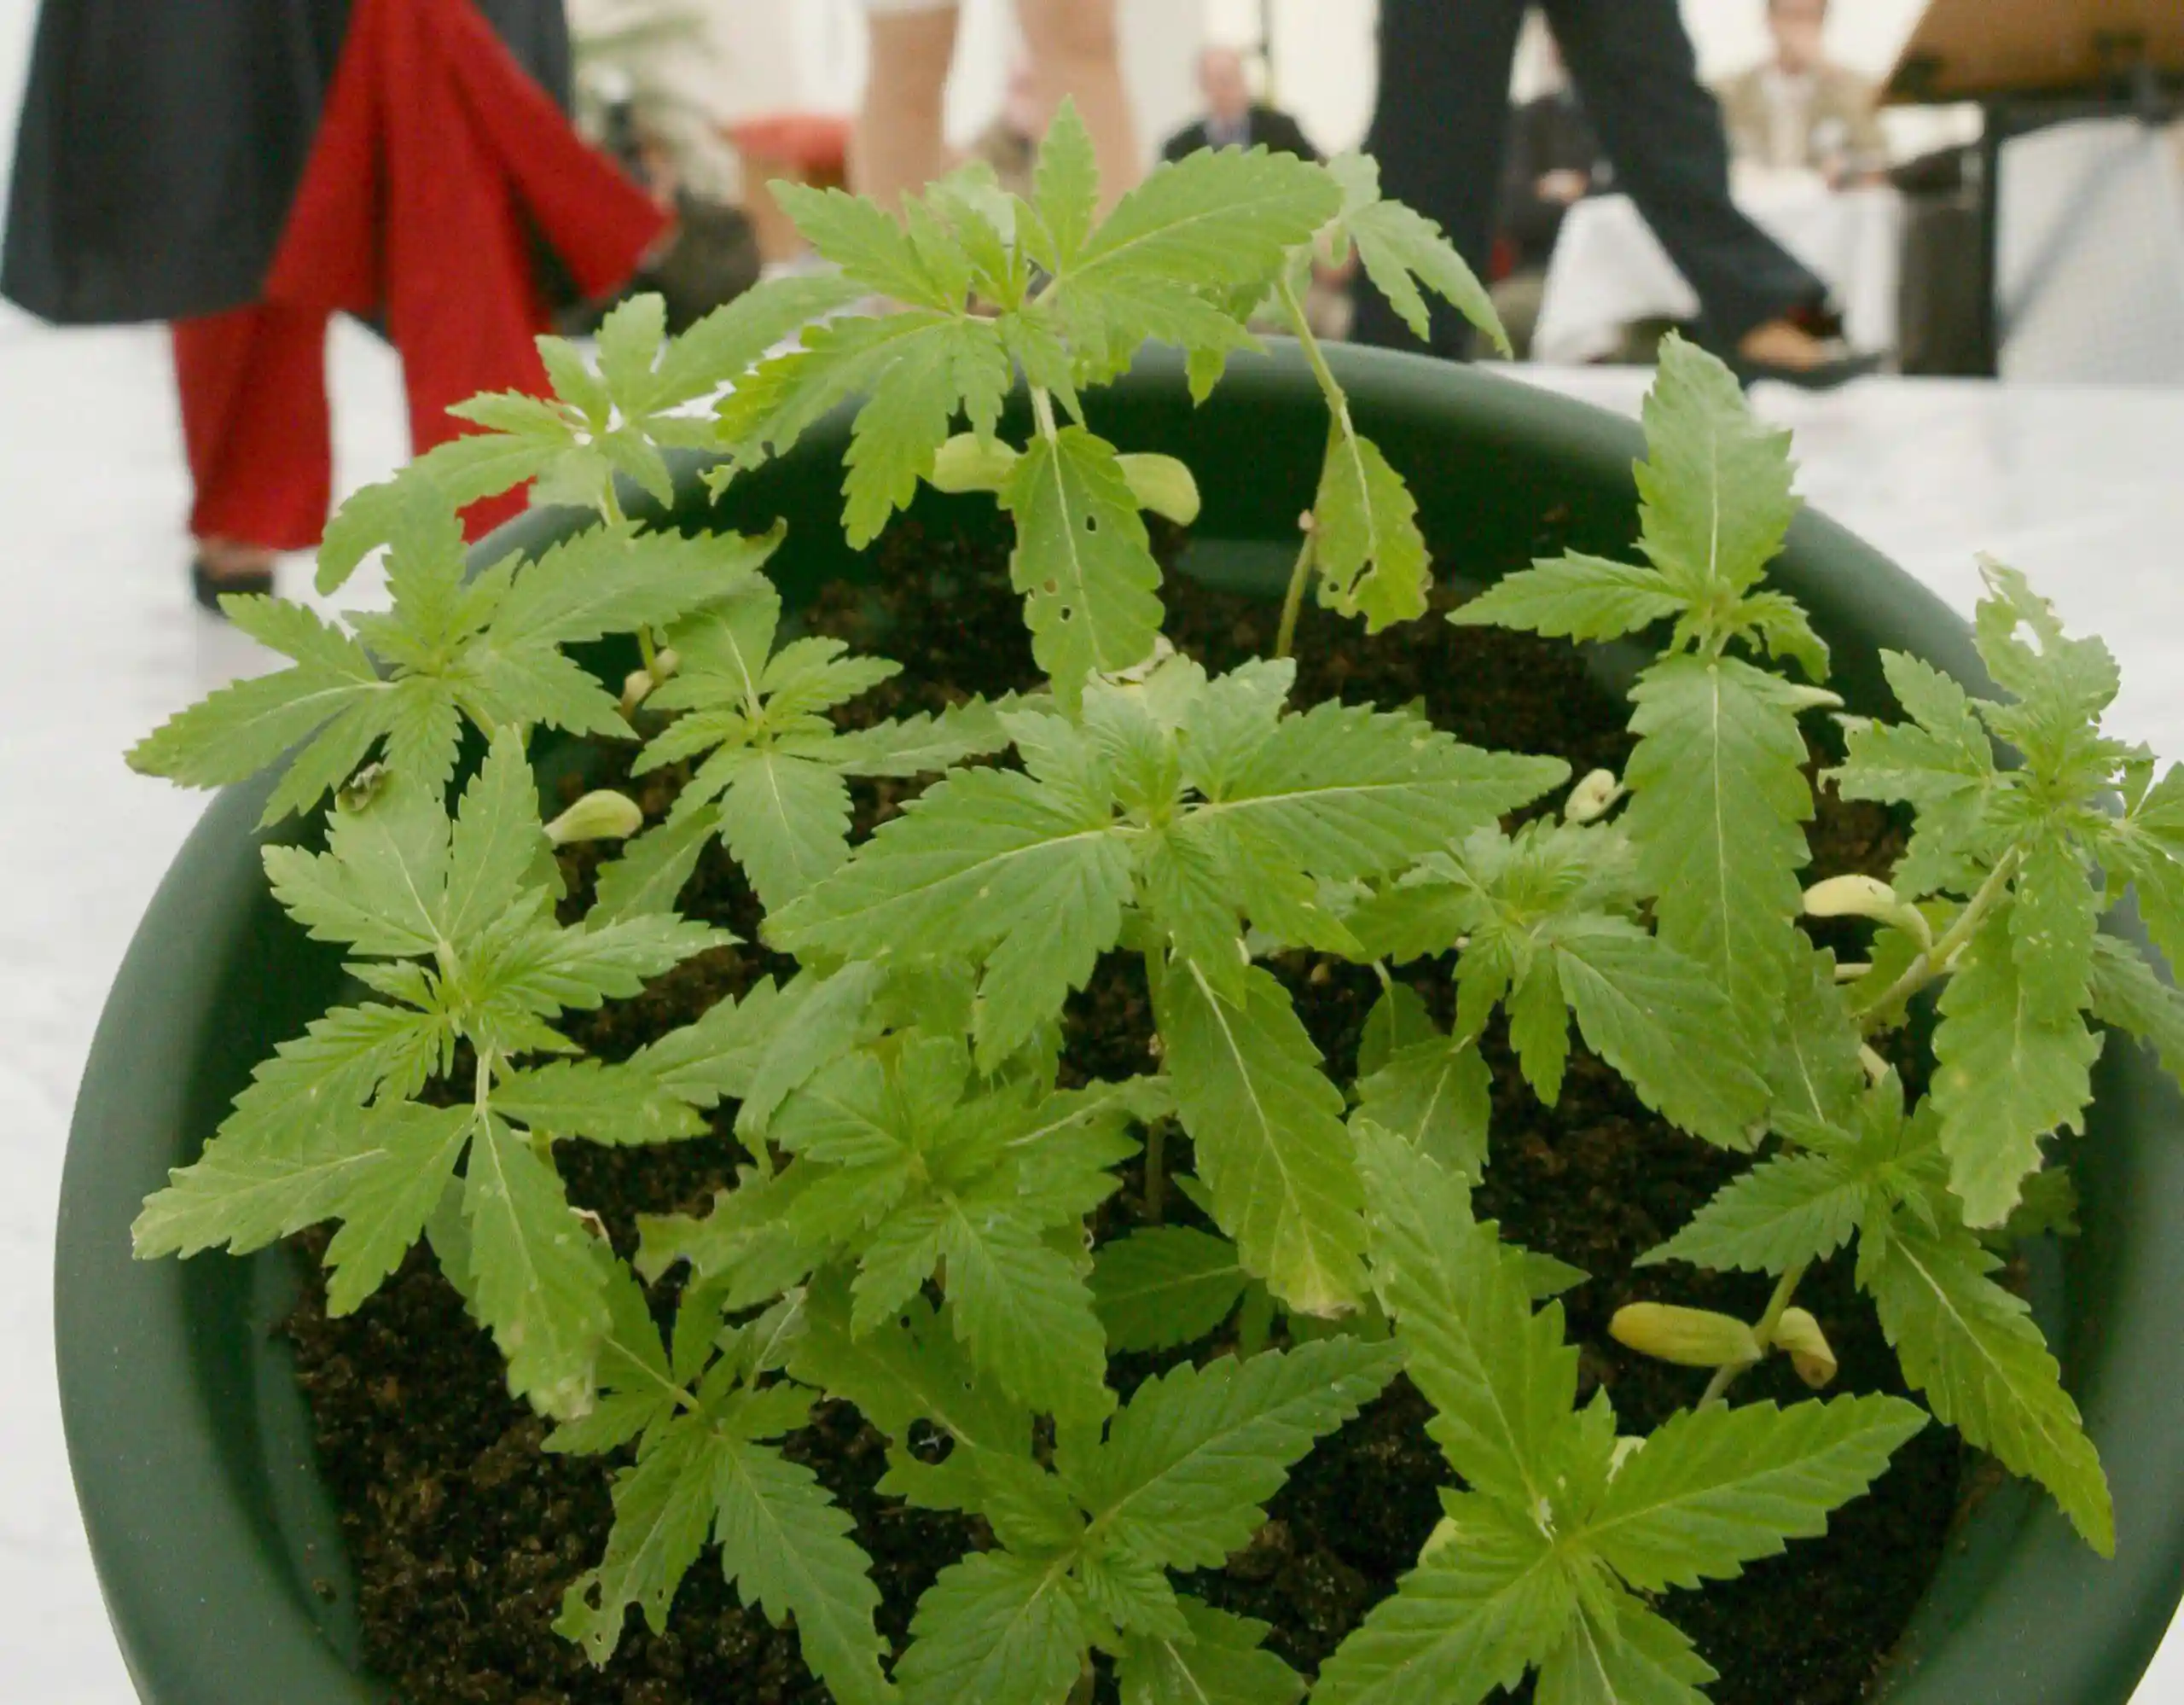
(1268, 127)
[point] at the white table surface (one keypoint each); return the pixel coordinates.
(1609, 270)
(2078, 488)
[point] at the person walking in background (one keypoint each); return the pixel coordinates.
(245, 168)
(1797, 112)
(1441, 126)
(1232, 119)
(1554, 160)
(899, 145)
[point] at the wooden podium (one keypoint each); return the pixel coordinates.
(1982, 49)
(2032, 63)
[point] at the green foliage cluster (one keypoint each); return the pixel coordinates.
(911, 1234)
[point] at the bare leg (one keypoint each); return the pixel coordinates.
(230, 559)
(897, 146)
(1074, 53)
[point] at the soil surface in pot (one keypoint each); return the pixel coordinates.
(464, 1535)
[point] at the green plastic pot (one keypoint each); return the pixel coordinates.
(221, 1560)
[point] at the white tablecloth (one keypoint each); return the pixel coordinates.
(1609, 269)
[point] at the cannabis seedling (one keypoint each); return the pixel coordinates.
(919, 1228)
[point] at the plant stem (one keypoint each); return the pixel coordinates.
(1931, 964)
(610, 506)
(1299, 577)
(1301, 328)
(1042, 411)
(1762, 1332)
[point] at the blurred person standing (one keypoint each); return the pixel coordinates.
(1233, 118)
(243, 169)
(1010, 144)
(1441, 126)
(1797, 112)
(899, 145)
(1555, 161)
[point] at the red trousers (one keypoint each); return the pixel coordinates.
(438, 167)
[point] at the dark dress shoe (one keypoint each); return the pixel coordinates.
(1819, 375)
(206, 586)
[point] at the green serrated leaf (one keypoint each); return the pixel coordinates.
(1574, 596)
(1024, 1311)
(2052, 924)
(998, 1628)
(1791, 1210)
(1714, 491)
(1501, 1378)
(1219, 1660)
(1972, 1349)
(1165, 1285)
(1626, 1657)
(383, 1208)
(1718, 800)
(1347, 793)
(639, 1392)
(1082, 559)
(1815, 1073)
(1468, 1620)
(649, 877)
(538, 1289)
(1370, 556)
(1267, 1127)
(252, 1187)
(662, 1509)
(1655, 1018)
(2005, 1075)
(785, 819)
(2129, 994)
(623, 1104)
(241, 729)
(1436, 1096)
(910, 1368)
(1402, 249)
(954, 361)
(1714, 1489)
(985, 863)
(1196, 1451)
(786, 1547)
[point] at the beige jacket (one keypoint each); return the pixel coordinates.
(1839, 123)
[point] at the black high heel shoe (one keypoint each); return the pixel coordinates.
(206, 587)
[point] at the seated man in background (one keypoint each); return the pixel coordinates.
(1232, 119)
(1797, 112)
(1554, 159)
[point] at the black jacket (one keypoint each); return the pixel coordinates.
(162, 141)
(1267, 126)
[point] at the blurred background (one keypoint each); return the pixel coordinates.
(1989, 192)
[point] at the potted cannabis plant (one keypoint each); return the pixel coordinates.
(1124, 1073)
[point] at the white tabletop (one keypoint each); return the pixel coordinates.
(2079, 487)
(1609, 270)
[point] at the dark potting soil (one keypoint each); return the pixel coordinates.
(464, 1533)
